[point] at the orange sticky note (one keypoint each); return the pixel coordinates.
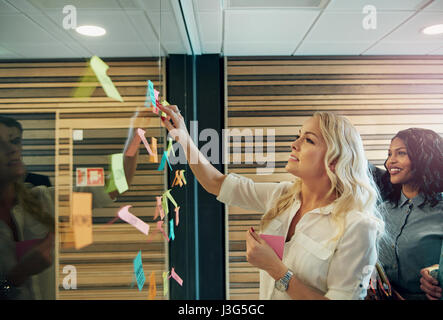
(81, 214)
(159, 209)
(154, 157)
(152, 287)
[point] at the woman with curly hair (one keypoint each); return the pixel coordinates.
(414, 212)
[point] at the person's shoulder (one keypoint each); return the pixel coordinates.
(363, 220)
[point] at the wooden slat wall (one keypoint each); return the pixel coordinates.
(379, 95)
(40, 95)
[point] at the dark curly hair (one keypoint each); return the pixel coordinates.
(425, 150)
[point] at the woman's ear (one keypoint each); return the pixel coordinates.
(332, 165)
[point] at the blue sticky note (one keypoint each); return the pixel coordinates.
(171, 229)
(163, 161)
(138, 270)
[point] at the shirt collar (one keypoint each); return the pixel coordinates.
(418, 200)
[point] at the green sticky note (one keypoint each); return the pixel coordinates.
(110, 184)
(168, 194)
(118, 172)
(170, 148)
(100, 69)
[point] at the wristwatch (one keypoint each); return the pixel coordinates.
(282, 284)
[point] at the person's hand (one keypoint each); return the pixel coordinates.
(34, 261)
(175, 123)
(262, 256)
(429, 285)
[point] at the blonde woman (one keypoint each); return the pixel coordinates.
(328, 215)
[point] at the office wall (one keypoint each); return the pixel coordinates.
(380, 95)
(41, 96)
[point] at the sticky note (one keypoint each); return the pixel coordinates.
(81, 214)
(168, 194)
(176, 215)
(165, 283)
(179, 178)
(109, 183)
(275, 242)
(162, 163)
(138, 270)
(132, 149)
(171, 229)
(118, 172)
(159, 226)
(84, 88)
(141, 134)
(150, 97)
(165, 204)
(170, 148)
(152, 286)
(154, 157)
(100, 69)
(176, 277)
(136, 222)
(159, 209)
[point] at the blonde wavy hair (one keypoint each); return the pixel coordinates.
(352, 182)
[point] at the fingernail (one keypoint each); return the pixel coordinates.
(163, 118)
(252, 229)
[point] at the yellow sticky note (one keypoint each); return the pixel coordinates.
(165, 283)
(152, 287)
(100, 69)
(86, 85)
(81, 205)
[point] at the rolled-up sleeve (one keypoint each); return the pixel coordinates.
(245, 193)
(353, 262)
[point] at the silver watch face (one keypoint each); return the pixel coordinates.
(280, 285)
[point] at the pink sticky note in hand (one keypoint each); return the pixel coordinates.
(24, 246)
(128, 217)
(275, 242)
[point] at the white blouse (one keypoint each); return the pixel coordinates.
(339, 269)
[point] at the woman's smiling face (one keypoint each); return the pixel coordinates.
(398, 163)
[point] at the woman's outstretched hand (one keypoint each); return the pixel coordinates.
(175, 123)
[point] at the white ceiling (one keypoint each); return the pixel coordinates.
(33, 29)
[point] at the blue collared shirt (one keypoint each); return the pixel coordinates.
(416, 234)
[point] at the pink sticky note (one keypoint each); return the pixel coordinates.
(176, 277)
(275, 242)
(176, 215)
(22, 247)
(132, 149)
(128, 217)
(141, 134)
(159, 208)
(159, 227)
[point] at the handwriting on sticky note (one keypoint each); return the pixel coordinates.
(100, 69)
(277, 243)
(138, 270)
(118, 172)
(81, 214)
(176, 277)
(136, 222)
